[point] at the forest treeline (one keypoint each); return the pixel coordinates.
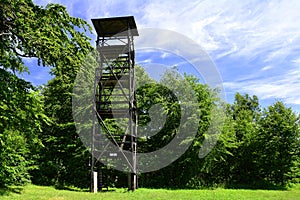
(257, 147)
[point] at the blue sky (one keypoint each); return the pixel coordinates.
(254, 44)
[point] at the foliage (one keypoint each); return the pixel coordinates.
(245, 111)
(153, 94)
(279, 144)
(255, 150)
(49, 34)
(57, 40)
(66, 159)
(217, 165)
(22, 115)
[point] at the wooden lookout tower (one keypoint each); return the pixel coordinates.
(114, 96)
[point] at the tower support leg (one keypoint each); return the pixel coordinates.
(94, 185)
(132, 181)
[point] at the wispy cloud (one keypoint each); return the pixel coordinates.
(237, 28)
(164, 55)
(266, 68)
(264, 36)
(284, 87)
(296, 61)
(145, 61)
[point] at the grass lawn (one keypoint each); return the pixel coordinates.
(33, 192)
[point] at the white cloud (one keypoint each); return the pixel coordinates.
(165, 54)
(285, 87)
(296, 61)
(145, 61)
(240, 30)
(237, 28)
(266, 68)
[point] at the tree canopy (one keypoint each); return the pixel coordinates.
(47, 33)
(22, 116)
(57, 40)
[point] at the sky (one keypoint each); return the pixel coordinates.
(255, 45)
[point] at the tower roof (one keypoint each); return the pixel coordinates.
(107, 27)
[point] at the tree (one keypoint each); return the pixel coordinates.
(278, 139)
(49, 34)
(217, 167)
(21, 119)
(150, 96)
(56, 40)
(245, 112)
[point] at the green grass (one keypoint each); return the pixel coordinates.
(32, 192)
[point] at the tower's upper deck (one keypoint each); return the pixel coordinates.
(107, 27)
